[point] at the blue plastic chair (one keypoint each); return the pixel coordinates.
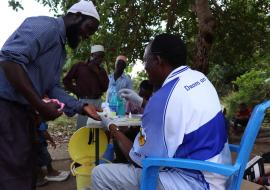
(235, 172)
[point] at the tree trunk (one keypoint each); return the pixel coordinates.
(207, 25)
(171, 15)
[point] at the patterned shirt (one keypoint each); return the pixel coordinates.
(123, 81)
(38, 45)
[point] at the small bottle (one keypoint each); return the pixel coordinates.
(113, 100)
(120, 106)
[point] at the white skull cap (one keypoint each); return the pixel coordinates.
(97, 48)
(86, 8)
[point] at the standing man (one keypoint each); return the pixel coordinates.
(182, 119)
(88, 80)
(118, 79)
(31, 62)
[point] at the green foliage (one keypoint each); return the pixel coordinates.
(242, 37)
(253, 88)
(63, 121)
(137, 80)
(15, 5)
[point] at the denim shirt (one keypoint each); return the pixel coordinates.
(38, 45)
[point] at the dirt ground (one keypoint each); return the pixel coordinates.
(62, 161)
(69, 184)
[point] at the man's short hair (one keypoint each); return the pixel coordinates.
(146, 85)
(170, 47)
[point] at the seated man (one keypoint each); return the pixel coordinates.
(182, 119)
(145, 92)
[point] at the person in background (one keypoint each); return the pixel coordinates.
(119, 79)
(182, 119)
(31, 62)
(135, 99)
(45, 160)
(146, 90)
(88, 80)
(241, 117)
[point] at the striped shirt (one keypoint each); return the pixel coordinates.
(38, 45)
(183, 119)
(123, 81)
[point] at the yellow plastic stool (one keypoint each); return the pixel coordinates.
(84, 154)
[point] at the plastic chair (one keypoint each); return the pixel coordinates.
(235, 172)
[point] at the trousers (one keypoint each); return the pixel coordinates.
(17, 146)
(117, 177)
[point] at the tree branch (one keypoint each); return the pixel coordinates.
(171, 15)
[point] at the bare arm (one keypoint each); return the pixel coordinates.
(124, 143)
(18, 78)
(49, 138)
(20, 81)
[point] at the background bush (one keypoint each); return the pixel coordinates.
(252, 88)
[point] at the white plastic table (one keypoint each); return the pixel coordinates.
(135, 120)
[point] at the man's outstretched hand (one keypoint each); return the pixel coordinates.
(91, 111)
